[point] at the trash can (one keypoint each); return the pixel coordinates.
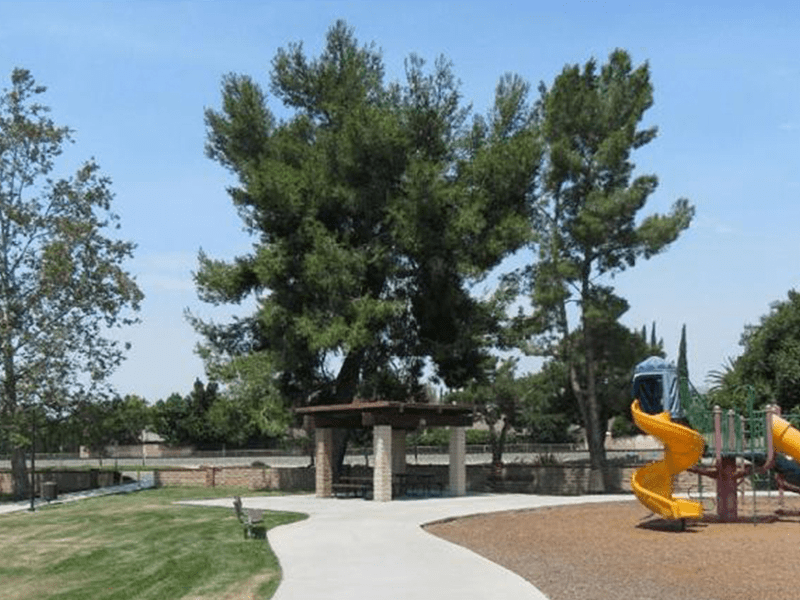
(49, 491)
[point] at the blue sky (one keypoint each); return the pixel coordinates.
(133, 79)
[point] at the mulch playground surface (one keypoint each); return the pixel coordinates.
(619, 550)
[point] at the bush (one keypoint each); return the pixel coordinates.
(478, 436)
(430, 437)
(622, 427)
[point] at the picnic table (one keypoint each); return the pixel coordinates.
(416, 484)
(357, 487)
(403, 484)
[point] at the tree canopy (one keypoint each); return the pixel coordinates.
(62, 282)
(770, 360)
(373, 206)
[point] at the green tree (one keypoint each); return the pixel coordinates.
(683, 360)
(547, 405)
(62, 282)
(770, 361)
(91, 421)
(497, 403)
(171, 418)
(100, 423)
(586, 219)
(128, 418)
(374, 206)
(683, 366)
(251, 409)
(188, 419)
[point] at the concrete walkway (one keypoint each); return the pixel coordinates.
(353, 548)
(147, 481)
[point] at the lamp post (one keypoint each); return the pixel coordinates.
(33, 460)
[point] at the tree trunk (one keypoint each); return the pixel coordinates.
(19, 470)
(19, 474)
(341, 438)
(595, 432)
(345, 389)
(499, 444)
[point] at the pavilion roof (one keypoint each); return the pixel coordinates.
(400, 415)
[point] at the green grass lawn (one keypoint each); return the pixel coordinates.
(137, 546)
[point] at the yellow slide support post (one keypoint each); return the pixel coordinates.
(652, 483)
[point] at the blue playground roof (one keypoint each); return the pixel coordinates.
(655, 384)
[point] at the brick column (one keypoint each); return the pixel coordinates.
(458, 462)
(382, 474)
(398, 450)
(324, 462)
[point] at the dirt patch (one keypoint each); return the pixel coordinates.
(620, 550)
(246, 590)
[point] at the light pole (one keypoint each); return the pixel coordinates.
(33, 459)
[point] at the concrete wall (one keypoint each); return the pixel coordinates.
(66, 481)
(254, 478)
(558, 479)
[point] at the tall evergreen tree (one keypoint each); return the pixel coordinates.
(373, 207)
(683, 366)
(586, 218)
(683, 360)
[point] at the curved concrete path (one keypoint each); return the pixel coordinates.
(350, 549)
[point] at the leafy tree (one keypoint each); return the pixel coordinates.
(90, 419)
(770, 361)
(552, 399)
(374, 206)
(497, 403)
(586, 219)
(547, 406)
(251, 408)
(171, 418)
(185, 420)
(128, 418)
(97, 424)
(62, 283)
(207, 418)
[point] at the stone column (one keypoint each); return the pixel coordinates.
(398, 451)
(382, 474)
(324, 462)
(458, 461)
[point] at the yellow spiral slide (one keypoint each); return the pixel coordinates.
(786, 438)
(652, 483)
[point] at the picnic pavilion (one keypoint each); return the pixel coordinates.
(390, 421)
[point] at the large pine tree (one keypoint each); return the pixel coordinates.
(372, 208)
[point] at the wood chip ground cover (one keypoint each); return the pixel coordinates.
(619, 550)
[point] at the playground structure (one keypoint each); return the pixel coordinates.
(725, 447)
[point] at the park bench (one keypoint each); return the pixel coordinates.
(252, 520)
